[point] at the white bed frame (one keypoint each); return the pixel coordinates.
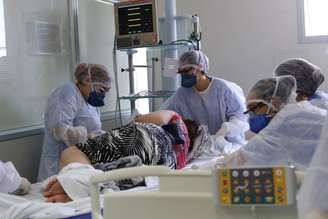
(181, 194)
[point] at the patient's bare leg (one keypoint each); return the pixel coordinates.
(72, 155)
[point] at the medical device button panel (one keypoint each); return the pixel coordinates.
(255, 186)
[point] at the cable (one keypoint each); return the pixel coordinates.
(184, 40)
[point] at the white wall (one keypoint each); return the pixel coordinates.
(246, 39)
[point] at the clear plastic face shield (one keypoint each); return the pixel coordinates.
(97, 86)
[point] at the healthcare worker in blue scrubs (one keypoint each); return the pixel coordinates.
(72, 114)
(309, 77)
(210, 101)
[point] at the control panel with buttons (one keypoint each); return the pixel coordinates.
(255, 186)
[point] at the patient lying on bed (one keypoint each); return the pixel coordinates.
(158, 138)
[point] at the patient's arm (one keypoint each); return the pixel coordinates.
(161, 117)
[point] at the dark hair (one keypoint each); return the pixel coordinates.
(192, 128)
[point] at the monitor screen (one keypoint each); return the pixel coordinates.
(135, 19)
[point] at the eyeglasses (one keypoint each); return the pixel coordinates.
(185, 70)
(251, 109)
(100, 88)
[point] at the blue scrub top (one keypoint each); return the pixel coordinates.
(219, 103)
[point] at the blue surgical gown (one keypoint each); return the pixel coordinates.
(65, 107)
(222, 102)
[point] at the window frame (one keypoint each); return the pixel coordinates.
(302, 38)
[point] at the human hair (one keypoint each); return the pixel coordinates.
(192, 127)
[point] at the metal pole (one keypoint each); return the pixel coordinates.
(131, 77)
(74, 29)
(171, 30)
(153, 81)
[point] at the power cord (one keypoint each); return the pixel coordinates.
(184, 40)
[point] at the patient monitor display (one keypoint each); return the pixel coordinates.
(255, 186)
(136, 23)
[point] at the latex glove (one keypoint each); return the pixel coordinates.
(71, 135)
(222, 144)
(23, 188)
(96, 134)
(223, 130)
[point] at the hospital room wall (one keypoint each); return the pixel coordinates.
(245, 40)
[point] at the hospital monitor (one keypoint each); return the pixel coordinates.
(136, 23)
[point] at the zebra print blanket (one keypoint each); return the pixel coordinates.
(148, 141)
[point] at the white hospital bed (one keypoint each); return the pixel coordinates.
(181, 194)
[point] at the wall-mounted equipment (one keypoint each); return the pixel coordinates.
(136, 24)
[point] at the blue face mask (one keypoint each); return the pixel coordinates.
(188, 80)
(96, 99)
(259, 122)
(314, 97)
